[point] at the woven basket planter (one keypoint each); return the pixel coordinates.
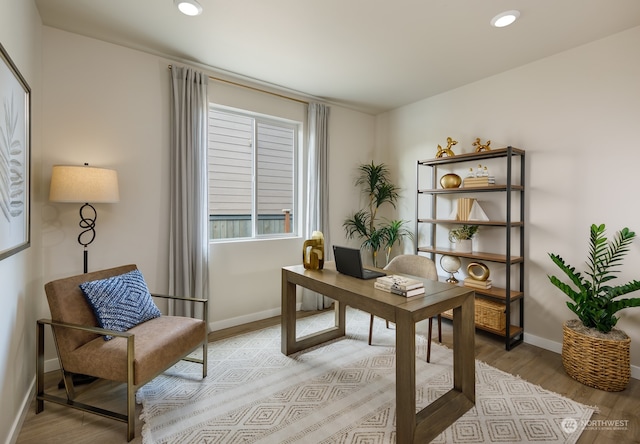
(602, 363)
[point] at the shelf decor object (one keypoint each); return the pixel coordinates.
(450, 181)
(499, 305)
(464, 208)
(478, 280)
(462, 237)
(473, 273)
(451, 265)
(442, 152)
(481, 147)
(313, 252)
(477, 213)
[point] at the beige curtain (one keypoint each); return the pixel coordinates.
(188, 235)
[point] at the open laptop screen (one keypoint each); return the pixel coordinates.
(349, 262)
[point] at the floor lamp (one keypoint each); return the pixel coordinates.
(84, 184)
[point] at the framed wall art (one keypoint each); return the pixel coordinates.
(15, 158)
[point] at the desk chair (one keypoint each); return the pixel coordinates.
(419, 266)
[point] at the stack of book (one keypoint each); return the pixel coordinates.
(464, 207)
(483, 181)
(400, 285)
(474, 283)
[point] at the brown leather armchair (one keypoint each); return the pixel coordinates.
(133, 357)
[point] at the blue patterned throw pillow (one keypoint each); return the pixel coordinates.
(120, 302)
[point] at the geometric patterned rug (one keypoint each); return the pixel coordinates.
(340, 392)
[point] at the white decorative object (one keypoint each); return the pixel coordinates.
(454, 211)
(451, 265)
(463, 246)
(477, 213)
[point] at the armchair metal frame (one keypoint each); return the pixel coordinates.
(129, 418)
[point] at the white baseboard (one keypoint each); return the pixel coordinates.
(547, 344)
(19, 420)
(556, 347)
(258, 316)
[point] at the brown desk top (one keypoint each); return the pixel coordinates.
(360, 293)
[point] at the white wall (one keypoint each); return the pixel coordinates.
(21, 274)
(576, 114)
(108, 106)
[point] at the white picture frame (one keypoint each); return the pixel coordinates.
(15, 159)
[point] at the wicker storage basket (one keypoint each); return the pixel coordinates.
(596, 362)
(488, 314)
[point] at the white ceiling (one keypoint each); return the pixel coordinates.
(373, 55)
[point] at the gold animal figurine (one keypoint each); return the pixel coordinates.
(480, 147)
(447, 151)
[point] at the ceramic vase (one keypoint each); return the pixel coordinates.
(463, 246)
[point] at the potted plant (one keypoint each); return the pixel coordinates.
(378, 190)
(593, 352)
(462, 237)
(394, 232)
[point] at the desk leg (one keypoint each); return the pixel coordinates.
(290, 343)
(341, 317)
(288, 316)
(405, 378)
(464, 359)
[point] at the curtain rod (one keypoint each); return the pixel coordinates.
(282, 96)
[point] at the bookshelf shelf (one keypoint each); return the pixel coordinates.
(509, 259)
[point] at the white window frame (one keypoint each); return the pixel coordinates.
(297, 128)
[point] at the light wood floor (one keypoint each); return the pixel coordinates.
(58, 424)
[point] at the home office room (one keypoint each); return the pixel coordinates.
(394, 83)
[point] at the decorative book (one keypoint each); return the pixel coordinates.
(479, 181)
(408, 293)
(474, 283)
(401, 283)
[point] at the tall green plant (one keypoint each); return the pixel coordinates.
(395, 231)
(595, 302)
(363, 224)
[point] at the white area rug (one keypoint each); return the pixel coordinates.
(341, 392)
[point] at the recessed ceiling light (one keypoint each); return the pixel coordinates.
(189, 7)
(505, 18)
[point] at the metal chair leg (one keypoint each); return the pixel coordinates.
(204, 359)
(131, 390)
(39, 367)
(370, 329)
(429, 340)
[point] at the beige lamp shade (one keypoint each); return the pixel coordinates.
(75, 183)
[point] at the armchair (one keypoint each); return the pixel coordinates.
(133, 357)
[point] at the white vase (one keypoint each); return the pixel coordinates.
(463, 246)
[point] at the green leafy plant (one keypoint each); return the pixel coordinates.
(363, 224)
(394, 232)
(595, 302)
(462, 233)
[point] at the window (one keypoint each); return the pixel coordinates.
(252, 175)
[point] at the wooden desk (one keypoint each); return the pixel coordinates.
(405, 312)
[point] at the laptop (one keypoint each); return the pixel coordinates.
(349, 262)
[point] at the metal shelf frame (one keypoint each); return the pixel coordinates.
(513, 334)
